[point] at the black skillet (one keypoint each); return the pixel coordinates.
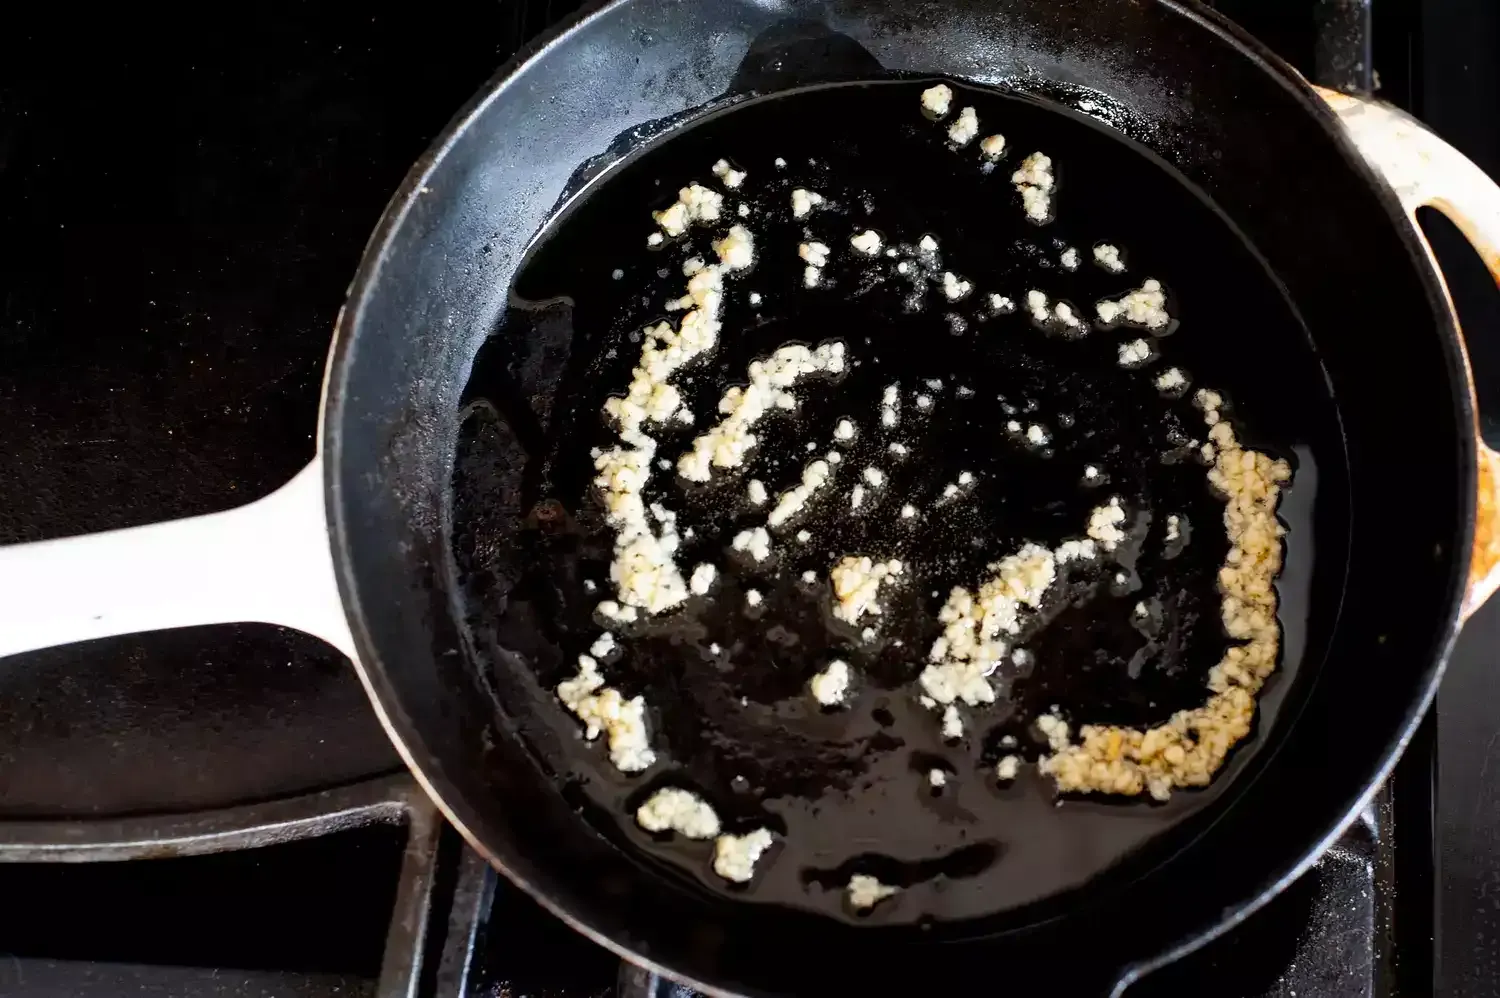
(1401, 559)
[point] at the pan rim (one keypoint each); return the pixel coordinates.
(1466, 412)
(406, 735)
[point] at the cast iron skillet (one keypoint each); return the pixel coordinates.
(1325, 197)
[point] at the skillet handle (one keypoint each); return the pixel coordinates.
(638, 982)
(1426, 172)
(269, 562)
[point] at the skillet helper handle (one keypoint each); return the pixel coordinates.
(268, 562)
(1426, 172)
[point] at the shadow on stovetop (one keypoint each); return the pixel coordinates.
(1271, 954)
(315, 917)
(308, 912)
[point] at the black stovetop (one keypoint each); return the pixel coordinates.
(183, 197)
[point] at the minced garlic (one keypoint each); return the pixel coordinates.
(937, 99)
(603, 709)
(1191, 746)
(726, 444)
(1108, 257)
(1036, 302)
(829, 686)
(1054, 729)
(953, 723)
(867, 242)
(735, 856)
(702, 579)
(964, 127)
(1034, 180)
(755, 542)
(694, 203)
(814, 477)
(672, 809)
(856, 584)
(815, 253)
(1135, 353)
(971, 645)
(1104, 524)
(890, 406)
(865, 892)
(955, 287)
(1146, 306)
(643, 571)
(610, 610)
(730, 177)
(804, 201)
(1171, 380)
(1072, 550)
(1065, 315)
(736, 250)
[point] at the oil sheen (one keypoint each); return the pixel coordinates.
(846, 790)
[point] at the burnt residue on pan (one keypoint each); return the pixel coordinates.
(846, 790)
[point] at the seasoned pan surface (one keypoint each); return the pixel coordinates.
(848, 791)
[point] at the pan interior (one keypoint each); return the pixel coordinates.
(848, 791)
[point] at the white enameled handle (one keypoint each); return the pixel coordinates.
(1426, 172)
(267, 562)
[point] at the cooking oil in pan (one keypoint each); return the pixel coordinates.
(849, 790)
